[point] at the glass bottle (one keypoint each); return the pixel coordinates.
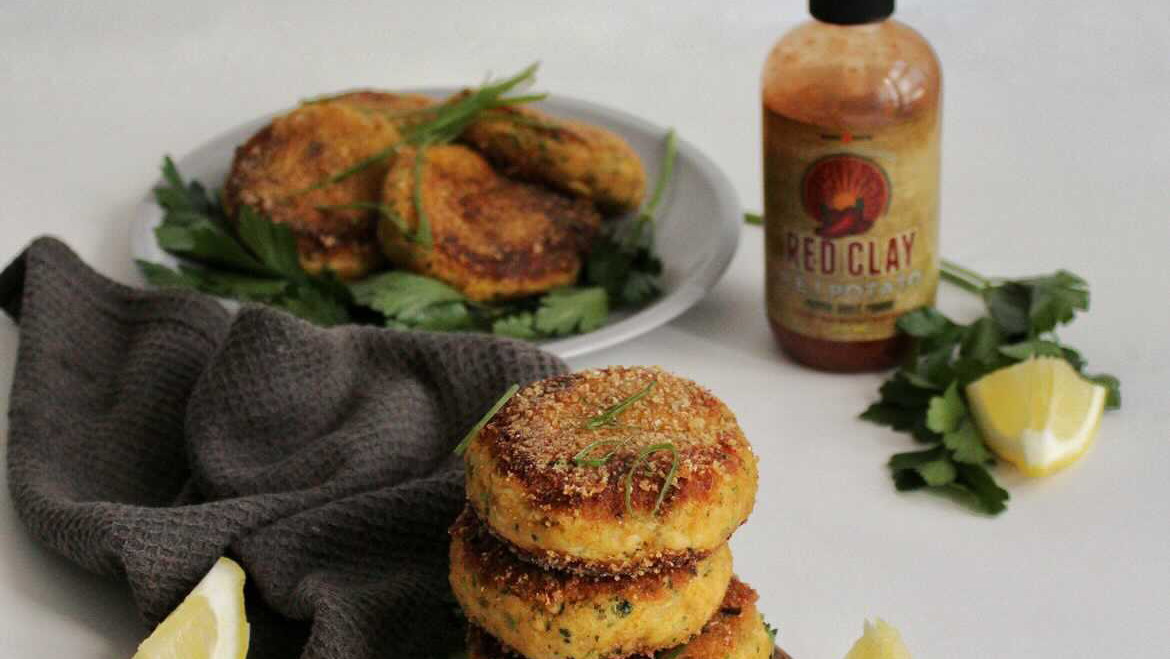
(851, 105)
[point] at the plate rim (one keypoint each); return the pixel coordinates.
(696, 283)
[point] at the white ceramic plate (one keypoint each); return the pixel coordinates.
(697, 229)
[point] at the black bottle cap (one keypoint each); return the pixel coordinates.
(850, 12)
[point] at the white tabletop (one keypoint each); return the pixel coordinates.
(1056, 154)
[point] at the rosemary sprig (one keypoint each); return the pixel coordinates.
(666, 483)
(462, 446)
(608, 416)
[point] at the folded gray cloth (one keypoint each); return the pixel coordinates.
(152, 432)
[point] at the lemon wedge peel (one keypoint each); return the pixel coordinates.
(210, 623)
(1040, 415)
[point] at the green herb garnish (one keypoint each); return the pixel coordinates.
(608, 416)
(925, 396)
(253, 260)
(755, 219)
(664, 176)
(519, 325)
(422, 234)
(382, 209)
(571, 310)
(462, 446)
(449, 121)
(409, 300)
(369, 161)
(624, 261)
(771, 631)
(524, 120)
(582, 458)
(666, 483)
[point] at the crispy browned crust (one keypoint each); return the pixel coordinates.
(716, 640)
(537, 434)
(648, 562)
(400, 109)
(273, 169)
(482, 645)
(493, 238)
(493, 561)
(724, 630)
(572, 156)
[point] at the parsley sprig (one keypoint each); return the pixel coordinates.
(255, 260)
(925, 396)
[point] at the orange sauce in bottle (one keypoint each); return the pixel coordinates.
(851, 107)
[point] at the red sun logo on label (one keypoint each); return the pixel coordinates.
(846, 194)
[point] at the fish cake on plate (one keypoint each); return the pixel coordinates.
(559, 615)
(736, 631)
(403, 110)
(490, 237)
(573, 156)
(274, 171)
(612, 471)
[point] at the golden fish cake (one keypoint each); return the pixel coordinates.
(578, 158)
(403, 110)
(612, 471)
(736, 631)
(274, 171)
(560, 615)
(490, 237)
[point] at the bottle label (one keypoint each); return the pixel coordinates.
(852, 226)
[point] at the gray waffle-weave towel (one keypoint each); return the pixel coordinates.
(152, 432)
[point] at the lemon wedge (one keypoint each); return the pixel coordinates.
(879, 641)
(1040, 415)
(208, 624)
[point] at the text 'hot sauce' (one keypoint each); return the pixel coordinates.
(851, 184)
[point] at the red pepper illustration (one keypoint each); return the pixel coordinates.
(845, 194)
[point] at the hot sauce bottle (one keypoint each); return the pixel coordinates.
(851, 105)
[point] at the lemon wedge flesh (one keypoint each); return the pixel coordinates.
(1040, 415)
(880, 641)
(208, 624)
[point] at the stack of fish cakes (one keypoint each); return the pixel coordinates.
(599, 508)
